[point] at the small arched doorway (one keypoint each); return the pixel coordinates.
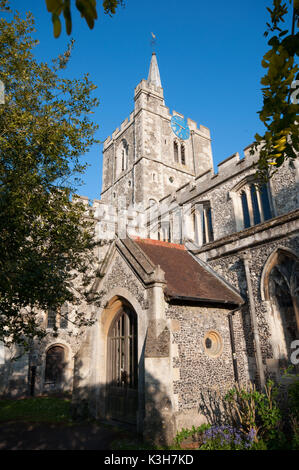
(55, 367)
(122, 367)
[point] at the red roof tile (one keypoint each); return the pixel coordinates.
(185, 277)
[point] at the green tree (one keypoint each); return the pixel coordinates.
(45, 128)
(87, 8)
(279, 113)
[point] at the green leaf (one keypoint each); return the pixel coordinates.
(56, 25)
(53, 5)
(274, 41)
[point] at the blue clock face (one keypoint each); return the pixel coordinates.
(180, 127)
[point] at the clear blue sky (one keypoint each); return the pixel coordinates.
(209, 55)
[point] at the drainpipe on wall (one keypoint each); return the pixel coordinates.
(258, 353)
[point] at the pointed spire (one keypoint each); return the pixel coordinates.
(154, 74)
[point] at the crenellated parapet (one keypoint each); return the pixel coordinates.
(118, 131)
(227, 169)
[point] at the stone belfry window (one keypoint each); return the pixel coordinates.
(121, 158)
(179, 152)
(176, 151)
(183, 155)
(124, 155)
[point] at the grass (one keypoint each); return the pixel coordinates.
(39, 409)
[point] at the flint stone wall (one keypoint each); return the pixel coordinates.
(196, 374)
(231, 268)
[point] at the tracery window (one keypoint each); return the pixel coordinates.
(252, 204)
(202, 223)
(246, 217)
(207, 227)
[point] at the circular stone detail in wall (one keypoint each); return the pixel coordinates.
(213, 344)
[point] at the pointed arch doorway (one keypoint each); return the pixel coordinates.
(122, 367)
(281, 289)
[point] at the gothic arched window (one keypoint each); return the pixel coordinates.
(255, 205)
(245, 210)
(207, 228)
(124, 155)
(251, 203)
(266, 209)
(202, 224)
(121, 158)
(176, 151)
(183, 156)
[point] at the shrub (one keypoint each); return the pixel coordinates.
(293, 402)
(194, 433)
(254, 411)
(227, 438)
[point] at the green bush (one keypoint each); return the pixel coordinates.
(293, 396)
(254, 421)
(293, 403)
(194, 433)
(257, 411)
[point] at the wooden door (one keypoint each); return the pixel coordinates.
(55, 364)
(122, 367)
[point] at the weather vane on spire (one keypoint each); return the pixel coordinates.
(153, 41)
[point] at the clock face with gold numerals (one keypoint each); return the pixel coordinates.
(180, 127)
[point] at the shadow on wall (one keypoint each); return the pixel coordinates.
(147, 411)
(14, 377)
(214, 408)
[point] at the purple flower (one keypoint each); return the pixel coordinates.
(226, 435)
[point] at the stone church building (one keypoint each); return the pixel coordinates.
(198, 277)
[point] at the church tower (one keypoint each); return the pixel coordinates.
(153, 152)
